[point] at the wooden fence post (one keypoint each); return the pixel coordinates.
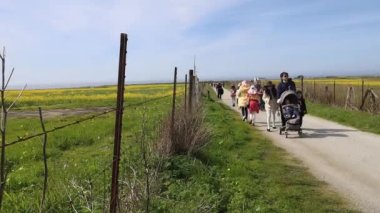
(302, 84)
(350, 98)
(118, 123)
(363, 100)
(372, 100)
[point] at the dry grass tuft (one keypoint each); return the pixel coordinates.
(188, 136)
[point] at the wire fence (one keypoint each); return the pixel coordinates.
(84, 192)
(193, 96)
(72, 124)
(27, 138)
(353, 94)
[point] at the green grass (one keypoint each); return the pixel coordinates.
(360, 120)
(79, 157)
(241, 171)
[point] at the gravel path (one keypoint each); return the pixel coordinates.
(346, 158)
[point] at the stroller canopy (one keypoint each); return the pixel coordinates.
(289, 95)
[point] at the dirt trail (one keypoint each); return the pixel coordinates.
(346, 158)
(51, 113)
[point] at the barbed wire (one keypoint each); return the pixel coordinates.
(26, 138)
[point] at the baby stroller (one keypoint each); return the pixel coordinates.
(290, 112)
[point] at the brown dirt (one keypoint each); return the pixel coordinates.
(57, 112)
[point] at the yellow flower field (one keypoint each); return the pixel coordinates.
(97, 96)
(343, 81)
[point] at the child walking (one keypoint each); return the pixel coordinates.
(254, 104)
(233, 95)
(302, 103)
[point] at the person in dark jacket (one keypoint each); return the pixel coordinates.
(220, 90)
(285, 84)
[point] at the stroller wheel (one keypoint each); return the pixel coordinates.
(300, 133)
(280, 132)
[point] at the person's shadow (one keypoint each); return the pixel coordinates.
(324, 133)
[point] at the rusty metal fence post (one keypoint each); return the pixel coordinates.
(334, 92)
(118, 123)
(191, 85)
(362, 91)
(314, 95)
(2, 130)
(185, 102)
(173, 106)
(44, 141)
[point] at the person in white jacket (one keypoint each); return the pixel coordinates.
(271, 106)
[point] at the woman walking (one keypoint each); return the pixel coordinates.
(271, 106)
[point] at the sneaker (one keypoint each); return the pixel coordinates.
(233, 105)
(268, 130)
(274, 127)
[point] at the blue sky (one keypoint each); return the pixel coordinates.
(77, 41)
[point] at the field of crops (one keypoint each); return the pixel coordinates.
(80, 156)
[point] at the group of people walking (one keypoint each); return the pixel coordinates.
(252, 97)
